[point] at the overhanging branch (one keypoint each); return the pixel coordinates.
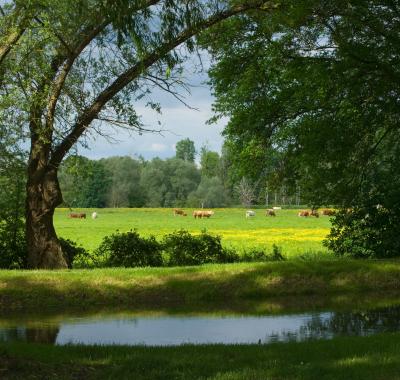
(91, 112)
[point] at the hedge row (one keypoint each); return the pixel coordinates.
(179, 248)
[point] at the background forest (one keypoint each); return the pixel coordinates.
(213, 181)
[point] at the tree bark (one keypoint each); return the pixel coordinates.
(43, 196)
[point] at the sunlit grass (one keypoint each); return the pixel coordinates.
(293, 234)
(196, 288)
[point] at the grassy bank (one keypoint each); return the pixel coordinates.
(197, 288)
(374, 357)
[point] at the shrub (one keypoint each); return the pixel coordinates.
(71, 251)
(129, 250)
(13, 250)
(259, 255)
(366, 232)
(182, 248)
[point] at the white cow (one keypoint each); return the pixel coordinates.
(94, 215)
(250, 213)
(276, 208)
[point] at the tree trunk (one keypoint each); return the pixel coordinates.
(43, 196)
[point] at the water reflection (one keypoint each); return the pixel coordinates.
(46, 335)
(356, 323)
(201, 330)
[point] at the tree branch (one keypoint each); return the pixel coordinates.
(87, 37)
(164, 85)
(132, 73)
(11, 39)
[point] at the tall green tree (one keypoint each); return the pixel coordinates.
(84, 182)
(185, 150)
(169, 182)
(124, 175)
(318, 84)
(210, 193)
(209, 162)
(64, 84)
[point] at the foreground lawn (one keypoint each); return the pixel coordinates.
(374, 358)
(293, 234)
(229, 287)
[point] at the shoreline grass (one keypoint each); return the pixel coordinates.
(197, 288)
(374, 357)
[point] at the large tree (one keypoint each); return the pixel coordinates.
(209, 162)
(185, 150)
(318, 87)
(169, 182)
(69, 69)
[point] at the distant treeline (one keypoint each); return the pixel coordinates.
(129, 182)
(173, 182)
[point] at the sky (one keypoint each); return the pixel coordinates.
(177, 122)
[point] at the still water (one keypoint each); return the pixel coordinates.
(177, 330)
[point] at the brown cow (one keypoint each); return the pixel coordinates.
(304, 213)
(314, 213)
(178, 211)
(76, 215)
(270, 212)
(202, 213)
(328, 212)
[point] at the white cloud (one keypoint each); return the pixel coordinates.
(157, 147)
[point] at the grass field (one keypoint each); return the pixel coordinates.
(375, 358)
(293, 234)
(227, 287)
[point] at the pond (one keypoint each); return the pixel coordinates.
(176, 330)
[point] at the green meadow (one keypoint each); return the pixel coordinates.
(294, 235)
(273, 286)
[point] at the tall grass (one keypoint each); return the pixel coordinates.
(370, 358)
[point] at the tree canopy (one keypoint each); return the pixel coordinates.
(312, 94)
(185, 150)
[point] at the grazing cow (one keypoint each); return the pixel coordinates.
(202, 213)
(304, 213)
(178, 211)
(314, 213)
(276, 208)
(75, 215)
(94, 215)
(250, 213)
(207, 214)
(327, 211)
(270, 212)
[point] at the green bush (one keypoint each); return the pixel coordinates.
(366, 232)
(259, 255)
(71, 251)
(182, 248)
(128, 250)
(13, 250)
